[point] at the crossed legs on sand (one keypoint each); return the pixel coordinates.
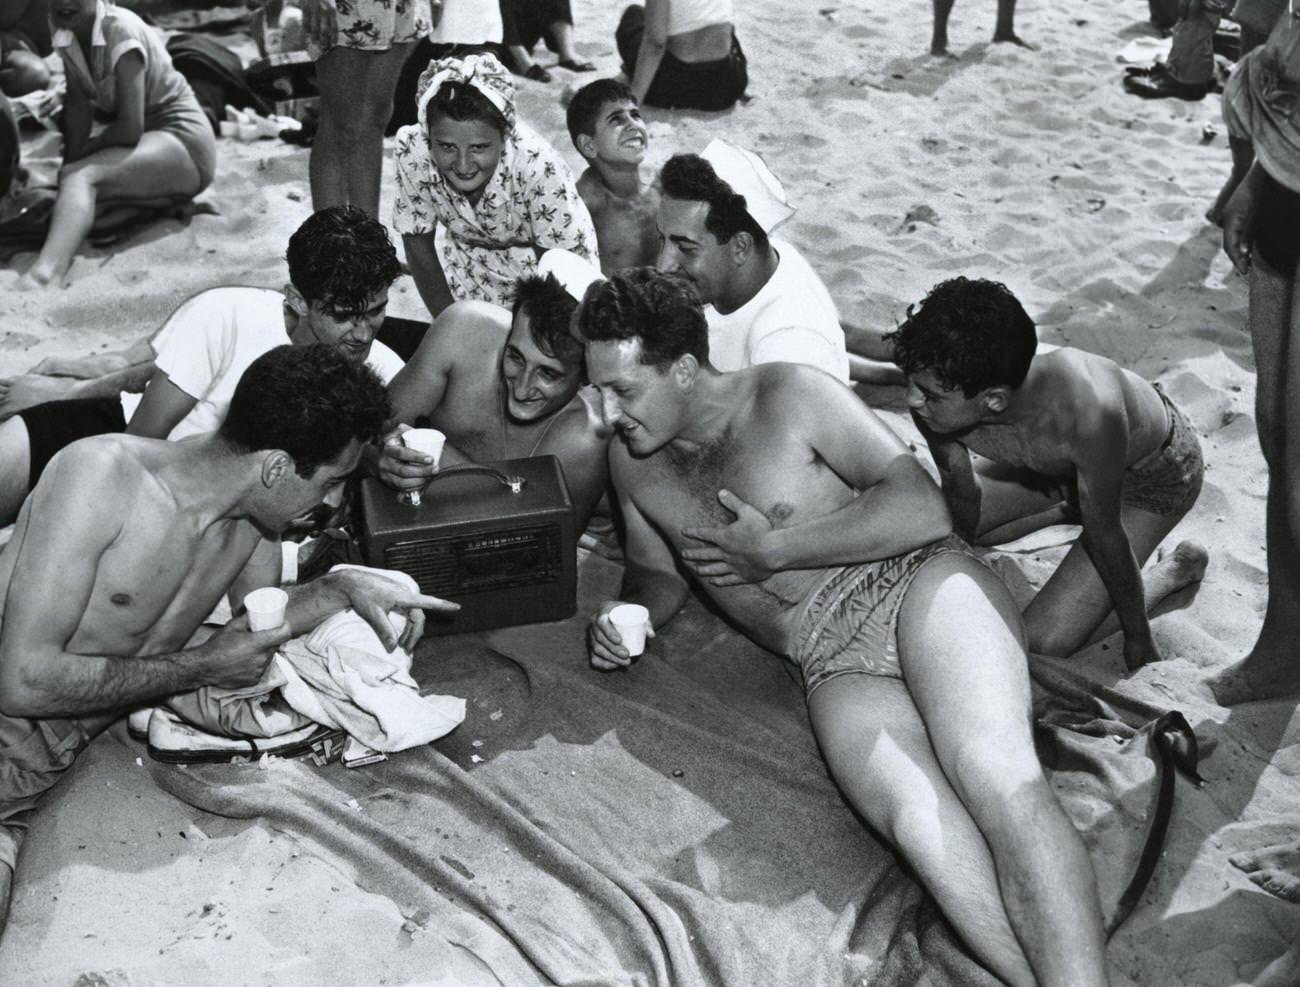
(942, 765)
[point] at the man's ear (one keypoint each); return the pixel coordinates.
(294, 300)
(586, 145)
(742, 247)
(995, 399)
(277, 466)
(685, 370)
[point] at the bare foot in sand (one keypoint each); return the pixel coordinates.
(28, 390)
(1257, 677)
(944, 53)
(1276, 869)
(1010, 37)
(1182, 567)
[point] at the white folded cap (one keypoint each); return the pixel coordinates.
(749, 175)
(575, 273)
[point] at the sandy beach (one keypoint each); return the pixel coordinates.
(1031, 167)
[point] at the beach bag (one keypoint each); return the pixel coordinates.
(287, 81)
(216, 74)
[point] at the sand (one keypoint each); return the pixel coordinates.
(1034, 168)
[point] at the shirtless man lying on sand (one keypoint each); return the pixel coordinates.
(1067, 437)
(912, 651)
(501, 385)
(102, 594)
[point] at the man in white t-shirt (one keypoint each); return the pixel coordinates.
(341, 266)
(763, 302)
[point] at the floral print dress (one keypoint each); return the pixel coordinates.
(530, 204)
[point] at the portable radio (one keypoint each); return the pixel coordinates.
(497, 538)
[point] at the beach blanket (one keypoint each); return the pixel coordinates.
(669, 825)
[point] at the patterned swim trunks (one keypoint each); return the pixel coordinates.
(850, 624)
(377, 25)
(1167, 481)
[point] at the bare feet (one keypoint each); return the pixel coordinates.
(1010, 37)
(1276, 869)
(941, 51)
(28, 390)
(1183, 566)
(1258, 676)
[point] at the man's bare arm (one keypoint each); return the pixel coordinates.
(961, 488)
(899, 507)
(1100, 456)
(70, 526)
(162, 408)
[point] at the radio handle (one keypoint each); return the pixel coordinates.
(514, 483)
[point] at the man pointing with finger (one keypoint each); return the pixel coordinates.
(127, 544)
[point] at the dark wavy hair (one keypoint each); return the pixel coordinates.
(549, 309)
(970, 333)
(585, 107)
(339, 258)
(307, 400)
(657, 307)
(690, 178)
(460, 101)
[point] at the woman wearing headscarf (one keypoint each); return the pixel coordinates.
(480, 195)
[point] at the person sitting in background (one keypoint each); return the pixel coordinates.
(502, 384)
(1066, 437)
(605, 126)
(158, 144)
(24, 43)
(682, 54)
(480, 195)
(526, 22)
(341, 264)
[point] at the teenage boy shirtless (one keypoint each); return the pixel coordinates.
(1067, 437)
(605, 125)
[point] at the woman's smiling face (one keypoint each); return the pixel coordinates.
(465, 152)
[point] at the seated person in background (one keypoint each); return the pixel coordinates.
(157, 146)
(605, 125)
(502, 384)
(127, 545)
(1066, 437)
(24, 43)
(526, 22)
(341, 264)
(480, 195)
(1005, 30)
(762, 300)
(682, 54)
(808, 523)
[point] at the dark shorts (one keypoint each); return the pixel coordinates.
(683, 85)
(1276, 236)
(56, 424)
(1167, 481)
(850, 624)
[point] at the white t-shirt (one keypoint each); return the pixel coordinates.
(791, 319)
(208, 343)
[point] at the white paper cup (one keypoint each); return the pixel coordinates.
(631, 620)
(265, 608)
(426, 440)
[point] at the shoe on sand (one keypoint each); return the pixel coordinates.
(173, 741)
(137, 723)
(1164, 86)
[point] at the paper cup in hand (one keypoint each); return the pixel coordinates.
(631, 621)
(426, 440)
(266, 608)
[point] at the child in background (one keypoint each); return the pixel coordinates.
(605, 125)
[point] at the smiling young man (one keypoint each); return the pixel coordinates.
(127, 544)
(605, 125)
(809, 524)
(501, 385)
(341, 265)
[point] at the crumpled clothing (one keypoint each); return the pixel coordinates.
(1261, 102)
(339, 675)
